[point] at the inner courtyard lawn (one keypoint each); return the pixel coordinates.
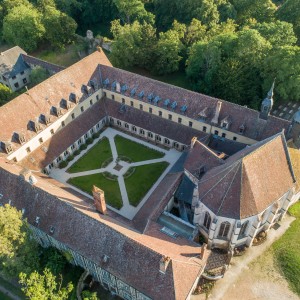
(140, 182)
(135, 151)
(287, 251)
(110, 187)
(94, 158)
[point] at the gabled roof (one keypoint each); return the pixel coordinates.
(250, 180)
(195, 103)
(133, 257)
(201, 156)
(11, 63)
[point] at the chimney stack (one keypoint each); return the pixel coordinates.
(194, 140)
(203, 250)
(215, 119)
(99, 200)
(163, 264)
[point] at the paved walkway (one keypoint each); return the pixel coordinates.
(9, 293)
(128, 211)
(240, 263)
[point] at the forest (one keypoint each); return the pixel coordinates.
(230, 49)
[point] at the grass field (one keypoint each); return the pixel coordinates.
(140, 182)
(287, 251)
(93, 159)
(111, 188)
(135, 151)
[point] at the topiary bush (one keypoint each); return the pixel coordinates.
(96, 135)
(76, 152)
(83, 147)
(70, 158)
(89, 141)
(63, 164)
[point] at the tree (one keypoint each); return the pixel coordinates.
(22, 26)
(278, 33)
(18, 252)
(208, 13)
(38, 75)
(166, 55)
(60, 28)
(196, 32)
(131, 10)
(5, 95)
(289, 12)
(87, 295)
(44, 287)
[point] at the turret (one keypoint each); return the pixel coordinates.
(267, 104)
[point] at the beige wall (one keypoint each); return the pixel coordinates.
(198, 125)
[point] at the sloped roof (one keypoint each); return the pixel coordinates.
(255, 128)
(201, 156)
(11, 63)
(249, 181)
(133, 257)
(16, 114)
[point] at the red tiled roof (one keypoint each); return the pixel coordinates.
(255, 128)
(250, 180)
(16, 114)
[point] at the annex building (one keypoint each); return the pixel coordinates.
(229, 177)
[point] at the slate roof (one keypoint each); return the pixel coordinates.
(249, 181)
(11, 62)
(40, 99)
(255, 128)
(133, 257)
(185, 190)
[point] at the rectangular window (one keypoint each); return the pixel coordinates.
(234, 138)
(16, 84)
(141, 106)
(160, 113)
(82, 109)
(216, 132)
(63, 124)
(41, 140)
(14, 77)
(28, 150)
(91, 102)
(52, 131)
(179, 120)
(22, 72)
(73, 116)
(24, 80)
(131, 103)
(113, 97)
(223, 135)
(150, 110)
(190, 124)
(123, 100)
(170, 117)
(204, 128)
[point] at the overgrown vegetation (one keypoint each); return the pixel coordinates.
(135, 151)
(143, 178)
(286, 251)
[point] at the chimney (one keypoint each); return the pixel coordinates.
(215, 119)
(99, 49)
(203, 250)
(99, 200)
(163, 264)
(194, 140)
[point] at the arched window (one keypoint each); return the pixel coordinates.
(126, 125)
(207, 220)
(224, 229)
(243, 229)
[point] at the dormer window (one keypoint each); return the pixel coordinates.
(35, 126)
(45, 119)
(225, 123)
(20, 137)
(242, 129)
(7, 147)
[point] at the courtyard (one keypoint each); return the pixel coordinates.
(126, 168)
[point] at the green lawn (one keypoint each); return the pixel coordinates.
(140, 182)
(135, 151)
(287, 251)
(111, 188)
(94, 158)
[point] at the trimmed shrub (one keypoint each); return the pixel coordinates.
(83, 147)
(63, 164)
(89, 141)
(70, 157)
(76, 152)
(96, 135)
